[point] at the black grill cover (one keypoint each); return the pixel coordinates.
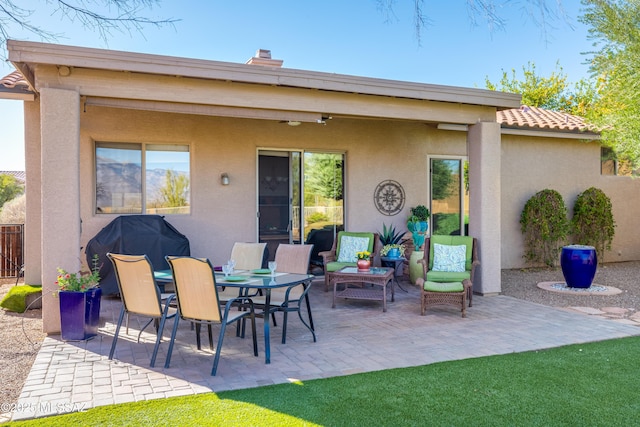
(147, 235)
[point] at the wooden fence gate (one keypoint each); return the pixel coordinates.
(11, 249)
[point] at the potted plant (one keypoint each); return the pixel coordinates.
(393, 250)
(79, 297)
(418, 221)
(364, 260)
(418, 224)
(391, 242)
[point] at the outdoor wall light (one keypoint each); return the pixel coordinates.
(224, 179)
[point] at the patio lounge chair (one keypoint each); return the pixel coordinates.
(343, 251)
(198, 302)
(444, 270)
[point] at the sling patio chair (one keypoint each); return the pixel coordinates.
(247, 256)
(198, 302)
(140, 295)
(290, 259)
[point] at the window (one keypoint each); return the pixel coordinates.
(449, 179)
(142, 178)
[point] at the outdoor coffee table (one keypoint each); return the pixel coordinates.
(379, 277)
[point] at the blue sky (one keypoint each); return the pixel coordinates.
(335, 36)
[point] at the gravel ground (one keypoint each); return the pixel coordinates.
(522, 284)
(20, 338)
(21, 334)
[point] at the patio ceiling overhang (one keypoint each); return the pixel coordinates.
(193, 86)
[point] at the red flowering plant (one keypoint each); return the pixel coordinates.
(81, 281)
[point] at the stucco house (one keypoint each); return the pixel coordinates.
(247, 148)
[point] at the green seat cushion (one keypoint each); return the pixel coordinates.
(335, 266)
(445, 276)
(443, 287)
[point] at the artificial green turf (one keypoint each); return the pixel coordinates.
(586, 384)
(16, 298)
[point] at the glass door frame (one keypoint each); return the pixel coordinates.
(463, 206)
(279, 235)
(290, 151)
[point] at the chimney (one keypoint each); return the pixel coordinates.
(263, 57)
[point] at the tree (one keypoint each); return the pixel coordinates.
(324, 176)
(441, 180)
(101, 16)
(14, 211)
(615, 30)
(552, 93)
(540, 11)
(174, 193)
(10, 187)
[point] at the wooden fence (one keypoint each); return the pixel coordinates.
(11, 249)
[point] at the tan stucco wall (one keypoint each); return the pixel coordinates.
(485, 193)
(221, 215)
(531, 164)
(33, 215)
(60, 111)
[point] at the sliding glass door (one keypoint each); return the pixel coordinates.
(323, 192)
(278, 193)
(299, 198)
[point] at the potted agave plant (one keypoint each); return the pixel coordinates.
(391, 240)
(79, 297)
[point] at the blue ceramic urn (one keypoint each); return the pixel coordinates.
(579, 264)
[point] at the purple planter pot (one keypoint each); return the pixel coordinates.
(579, 264)
(79, 314)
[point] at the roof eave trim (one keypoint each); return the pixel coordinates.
(584, 135)
(52, 54)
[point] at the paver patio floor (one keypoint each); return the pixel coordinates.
(354, 337)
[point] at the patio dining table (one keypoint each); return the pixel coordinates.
(247, 281)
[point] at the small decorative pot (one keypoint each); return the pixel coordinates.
(363, 264)
(393, 253)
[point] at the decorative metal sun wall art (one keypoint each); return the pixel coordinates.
(389, 197)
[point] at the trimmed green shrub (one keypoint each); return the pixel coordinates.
(592, 223)
(16, 298)
(317, 217)
(545, 227)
